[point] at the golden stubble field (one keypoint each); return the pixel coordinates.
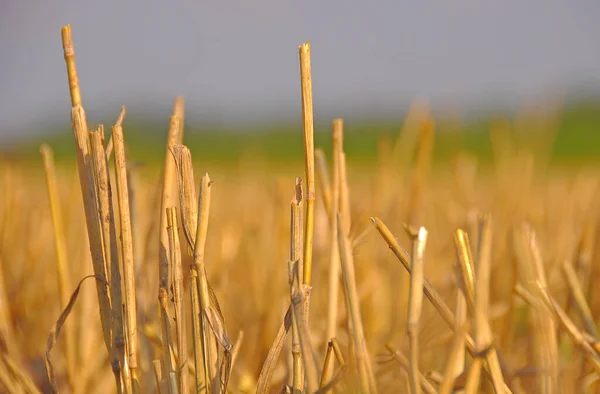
(502, 295)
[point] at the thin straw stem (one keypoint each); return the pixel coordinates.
(189, 219)
(358, 336)
(483, 336)
(430, 292)
(88, 192)
(296, 258)
(334, 251)
(69, 53)
(309, 157)
(531, 272)
(201, 232)
(298, 294)
(455, 361)
(111, 256)
(168, 198)
(175, 248)
(167, 341)
(465, 259)
(415, 305)
(122, 180)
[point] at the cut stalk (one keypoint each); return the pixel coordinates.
(459, 330)
(367, 380)
(189, 218)
(483, 335)
(532, 273)
(201, 232)
(111, 256)
(456, 360)
(473, 377)
(434, 297)
(196, 329)
(296, 258)
(187, 193)
(88, 192)
(309, 157)
(177, 274)
(298, 294)
(62, 261)
(463, 252)
(334, 252)
(344, 208)
(430, 292)
(167, 338)
(168, 199)
(576, 335)
(69, 53)
(122, 180)
(415, 305)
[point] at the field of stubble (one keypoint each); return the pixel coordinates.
(327, 274)
(534, 213)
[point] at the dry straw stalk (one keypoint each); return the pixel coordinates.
(84, 167)
(298, 295)
(179, 306)
(189, 219)
(415, 304)
(210, 373)
(309, 157)
(430, 292)
(122, 181)
(334, 252)
(296, 259)
(367, 380)
(168, 196)
(111, 258)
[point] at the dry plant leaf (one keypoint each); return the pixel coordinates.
(55, 331)
(217, 325)
(266, 373)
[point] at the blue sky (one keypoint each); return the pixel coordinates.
(237, 61)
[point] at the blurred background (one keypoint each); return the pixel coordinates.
(489, 70)
(236, 64)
